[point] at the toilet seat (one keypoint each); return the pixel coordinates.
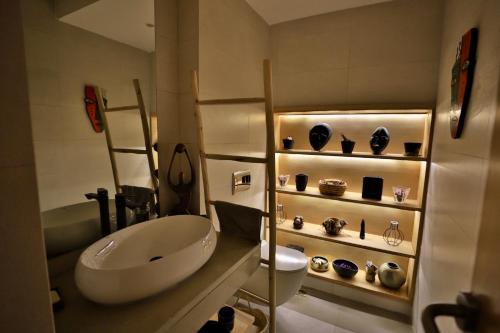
(287, 260)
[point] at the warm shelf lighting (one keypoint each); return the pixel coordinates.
(345, 160)
(406, 117)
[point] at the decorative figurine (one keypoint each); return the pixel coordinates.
(347, 145)
(333, 226)
(183, 189)
(301, 182)
(371, 270)
(298, 222)
(461, 81)
(362, 230)
(288, 142)
(392, 235)
(372, 188)
(391, 275)
(379, 141)
(319, 135)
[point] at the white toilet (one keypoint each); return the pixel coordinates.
(291, 268)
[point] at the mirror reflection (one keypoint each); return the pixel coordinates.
(91, 69)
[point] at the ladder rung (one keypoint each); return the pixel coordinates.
(129, 150)
(235, 158)
(250, 100)
(122, 108)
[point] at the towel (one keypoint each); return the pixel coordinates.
(240, 221)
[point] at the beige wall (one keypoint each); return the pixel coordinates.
(234, 41)
(383, 53)
(24, 288)
(459, 168)
(71, 159)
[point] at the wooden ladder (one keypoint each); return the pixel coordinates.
(148, 150)
(269, 160)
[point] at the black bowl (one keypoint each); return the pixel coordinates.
(345, 268)
(412, 148)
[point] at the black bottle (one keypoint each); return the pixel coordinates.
(121, 214)
(362, 230)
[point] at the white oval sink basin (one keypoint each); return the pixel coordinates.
(145, 258)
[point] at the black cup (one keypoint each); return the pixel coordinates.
(226, 317)
(347, 146)
(288, 143)
(301, 181)
(412, 148)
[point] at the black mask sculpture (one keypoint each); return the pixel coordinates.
(319, 135)
(380, 139)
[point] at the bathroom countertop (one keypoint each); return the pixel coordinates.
(184, 308)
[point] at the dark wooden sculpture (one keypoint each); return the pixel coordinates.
(461, 81)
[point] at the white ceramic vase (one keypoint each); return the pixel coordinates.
(391, 275)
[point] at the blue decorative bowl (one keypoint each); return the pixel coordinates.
(345, 268)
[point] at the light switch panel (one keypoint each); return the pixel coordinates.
(241, 181)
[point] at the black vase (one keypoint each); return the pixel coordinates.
(347, 146)
(412, 148)
(372, 188)
(379, 141)
(226, 317)
(301, 181)
(288, 143)
(319, 135)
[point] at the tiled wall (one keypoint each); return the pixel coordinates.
(24, 287)
(71, 159)
(459, 167)
(383, 53)
(234, 41)
(177, 55)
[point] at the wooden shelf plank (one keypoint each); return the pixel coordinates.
(129, 150)
(236, 158)
(356, 155)
(122, 108)
(250, 100)
(353, 109)
(350, 238)
(359, 282)
(354, 197)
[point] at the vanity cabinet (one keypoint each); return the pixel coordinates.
(405, 124)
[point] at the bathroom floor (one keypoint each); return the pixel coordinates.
(308, 314)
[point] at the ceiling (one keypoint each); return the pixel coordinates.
(121, 20)
(277, 11)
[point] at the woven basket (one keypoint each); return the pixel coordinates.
(334, 187)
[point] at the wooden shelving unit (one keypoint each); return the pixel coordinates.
(406, 124)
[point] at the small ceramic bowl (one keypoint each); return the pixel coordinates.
(319, 264)
(345, 268)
